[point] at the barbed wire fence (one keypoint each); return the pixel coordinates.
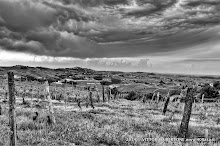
(34, 102)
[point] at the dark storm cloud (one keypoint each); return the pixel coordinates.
(152, 7)
(23, 16)
(106, 28)
(194, 3)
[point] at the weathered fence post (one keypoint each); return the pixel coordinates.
(115, 94)
(78, 100)
(79, 103)
(103, 93)
(183, 131)
(97, 95)
(65, 95)
(201, 104)
(194, 102)
(90, 98)
(6, 96)
(50, 102)
(87, 101)
(31, 97)
(203, 95)
(152, 99)
(12, 119)
(55, 91)
(166, 104)
(158, 97)
(108, 93)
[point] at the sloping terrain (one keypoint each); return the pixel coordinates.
(118, 122)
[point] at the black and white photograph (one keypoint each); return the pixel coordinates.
(109, 72)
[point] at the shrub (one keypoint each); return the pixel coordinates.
(98, 77)
(24, 124)
(216, 84)
(115, 81)
(105, 83)
(210, 92)
(133, 96)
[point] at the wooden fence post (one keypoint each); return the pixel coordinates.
(166, 104)
(152, 99)
(201, 104)
(31, 97)
(79, 103)
(108, 93)
(103, 93)
(65, 95)
(55, 91)
(115, 94)
(158, 97)
(50, 102)
(12, 119)
(90, 98)
(183, 131)
(97, 95)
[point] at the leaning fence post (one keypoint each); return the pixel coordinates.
(152, 99)
(183, 131)
(12, 119)
(50, 102)
(166, 104)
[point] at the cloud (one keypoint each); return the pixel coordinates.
(107, 28)
(23, 16)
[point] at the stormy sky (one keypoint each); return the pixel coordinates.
(170, 36)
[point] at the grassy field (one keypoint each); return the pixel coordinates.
(116, 123)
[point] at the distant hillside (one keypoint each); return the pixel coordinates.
(42, 72)
(79, 73)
